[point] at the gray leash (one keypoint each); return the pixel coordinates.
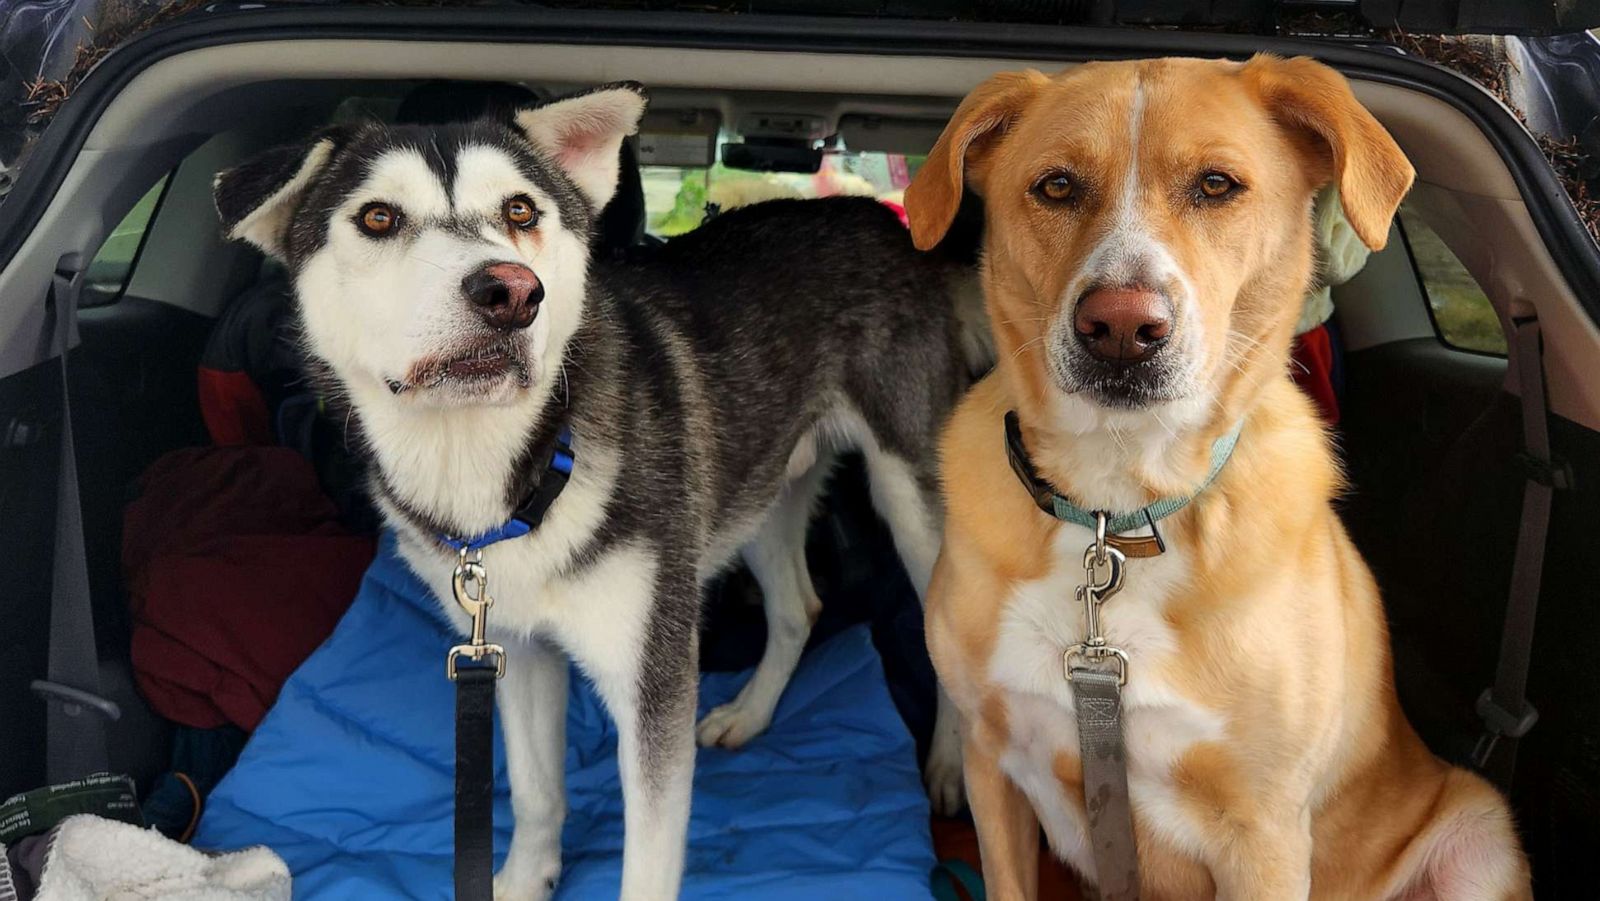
(1097, 671)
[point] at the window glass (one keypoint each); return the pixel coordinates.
(1462, 314)
(678, 199)
(111, 268)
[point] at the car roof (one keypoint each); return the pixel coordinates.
(48, 48)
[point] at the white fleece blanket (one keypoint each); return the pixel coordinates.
(94, 859)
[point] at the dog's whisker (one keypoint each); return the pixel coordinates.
(427, 262)
(1247, 339)
(1117, 437)
(1025, 345)
(1163, 423)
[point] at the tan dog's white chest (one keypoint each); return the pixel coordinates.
(1041, 620)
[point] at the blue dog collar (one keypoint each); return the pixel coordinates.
(558, 463)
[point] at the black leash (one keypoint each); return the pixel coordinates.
(474, 866)
(484, 664)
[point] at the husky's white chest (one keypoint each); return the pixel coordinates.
(598, 612)
(1041, 621)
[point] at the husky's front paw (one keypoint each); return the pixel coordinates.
(529, 876)
(942, 775)
(732, 724)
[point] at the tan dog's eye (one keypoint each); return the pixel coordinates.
(1057, 188)
(519, 211)
(1216, 185)
(377, 219)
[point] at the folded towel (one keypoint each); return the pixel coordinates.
(89, 858)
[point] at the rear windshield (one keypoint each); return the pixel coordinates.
(677, 199)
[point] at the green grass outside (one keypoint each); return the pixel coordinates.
(120, 247)
(1462, 312)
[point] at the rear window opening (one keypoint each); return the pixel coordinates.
(678, 199)
(112, 267)
(1462, 315)
(1424, 426)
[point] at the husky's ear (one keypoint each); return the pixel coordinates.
(934, 195)
(256, 199)
(583, 134)
(1349, 146)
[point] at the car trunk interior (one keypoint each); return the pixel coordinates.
(1430, 432)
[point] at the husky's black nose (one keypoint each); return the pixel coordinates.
(506, 295)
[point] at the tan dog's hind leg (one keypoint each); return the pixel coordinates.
(1008, 831)
(1468, 850)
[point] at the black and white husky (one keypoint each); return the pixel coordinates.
(448, 299)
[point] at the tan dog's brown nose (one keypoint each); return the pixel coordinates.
(1123, 325)
(507, 295)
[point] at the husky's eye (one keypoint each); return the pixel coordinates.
(519, 211)
(1057, 187)
(1216, 185)
(377, 219)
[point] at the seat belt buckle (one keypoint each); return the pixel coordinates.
(1499, 723)
(1553, 473)
(1503, 722)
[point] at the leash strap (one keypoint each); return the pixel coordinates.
(1097, 697)
(485, 663)
(1504, 707)
(474, 826)
(1097, 671)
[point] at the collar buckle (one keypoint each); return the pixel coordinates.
(1140, 546)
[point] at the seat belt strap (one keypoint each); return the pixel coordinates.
(1504, 707)
(75, 739)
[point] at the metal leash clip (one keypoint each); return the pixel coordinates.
(1094, 650)
(469, 574)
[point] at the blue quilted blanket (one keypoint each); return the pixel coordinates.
(349, 777)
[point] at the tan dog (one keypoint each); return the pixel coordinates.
(1148, 246)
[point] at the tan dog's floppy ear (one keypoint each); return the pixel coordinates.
(934, 195)
(1372, 172)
